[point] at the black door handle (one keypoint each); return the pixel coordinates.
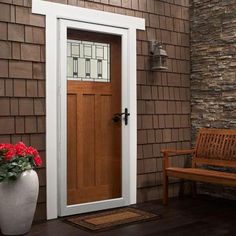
(117, 116)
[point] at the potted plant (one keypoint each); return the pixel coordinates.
(18, 187)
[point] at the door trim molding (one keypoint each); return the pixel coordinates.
(53, 12)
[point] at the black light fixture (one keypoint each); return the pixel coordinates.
(158, 56)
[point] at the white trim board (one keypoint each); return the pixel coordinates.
(87, 15)
(54, 12)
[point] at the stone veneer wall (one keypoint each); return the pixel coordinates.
(163, 98)
(213, 73)
(213, 57)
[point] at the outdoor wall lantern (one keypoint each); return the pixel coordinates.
(158, 56)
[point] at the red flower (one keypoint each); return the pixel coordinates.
(5, 146)
(37, 160)
(20, 149)
(7, 150)
(31, 151)
(35, 153)
(2, 146)
(9, 154)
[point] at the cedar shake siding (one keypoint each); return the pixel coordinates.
(163, 97)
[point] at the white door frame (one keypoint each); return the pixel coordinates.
(119, 24)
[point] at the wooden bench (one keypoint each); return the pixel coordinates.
(214, 147)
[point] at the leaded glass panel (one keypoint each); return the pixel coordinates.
(88, 61)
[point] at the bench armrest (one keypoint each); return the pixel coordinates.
(166, 153)
(178, 152)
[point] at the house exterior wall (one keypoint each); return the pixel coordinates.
(22, 82)
(213, 73)
(163, 97)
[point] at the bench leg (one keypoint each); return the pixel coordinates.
(194, 188)
(165, 189)
(181, 188)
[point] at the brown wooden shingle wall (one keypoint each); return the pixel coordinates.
(163, 97)
(22, 81)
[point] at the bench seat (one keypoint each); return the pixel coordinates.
(202, 175)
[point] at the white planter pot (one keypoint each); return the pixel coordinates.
(18, 202)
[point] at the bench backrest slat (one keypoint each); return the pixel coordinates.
(216, 146)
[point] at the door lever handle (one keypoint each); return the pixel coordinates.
(127, 114)
(117, 116)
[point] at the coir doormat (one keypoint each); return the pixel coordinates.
(110, 219)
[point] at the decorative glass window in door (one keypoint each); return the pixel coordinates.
(88, 61)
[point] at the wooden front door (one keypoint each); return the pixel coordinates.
(93, 97)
